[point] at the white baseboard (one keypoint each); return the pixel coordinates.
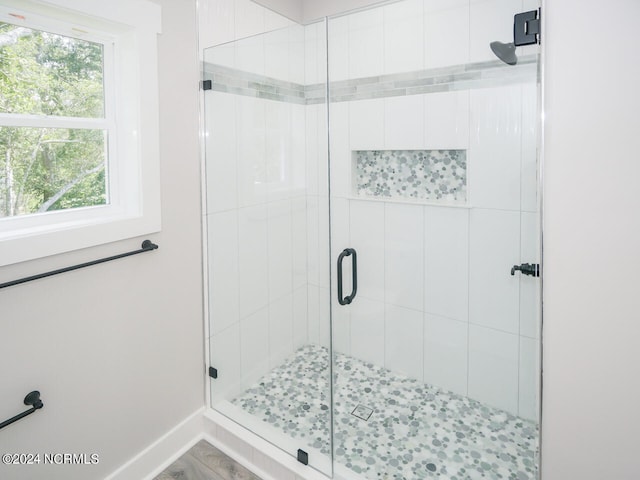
(148, 463)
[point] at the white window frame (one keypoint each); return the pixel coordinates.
(128, 31)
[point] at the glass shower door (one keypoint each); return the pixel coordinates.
(433, 202)
(268, 294)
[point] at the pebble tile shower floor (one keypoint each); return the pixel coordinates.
(388, 426)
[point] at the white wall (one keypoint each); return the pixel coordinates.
(115, 349)
(592, 240)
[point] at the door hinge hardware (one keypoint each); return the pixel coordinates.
(206, 85)
(303, 457)
(213, 372)
(526, 28)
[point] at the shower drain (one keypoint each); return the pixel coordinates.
(362, 412)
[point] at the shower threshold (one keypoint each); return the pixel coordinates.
(388, 426)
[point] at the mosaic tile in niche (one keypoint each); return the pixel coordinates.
(432, 175)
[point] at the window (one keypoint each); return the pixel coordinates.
(54, 129)
(78, 125)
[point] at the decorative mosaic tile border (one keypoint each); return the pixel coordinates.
(457, 77)
(239, 82)
(412, 430)
(438, 176)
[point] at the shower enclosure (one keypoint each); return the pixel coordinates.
(372, 217)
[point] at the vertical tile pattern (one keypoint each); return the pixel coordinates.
(403, 338)
(404, 122)
(494, 247)
(447, 120)
(495, 147)
(254, 350)
(253, 258)
(366, 124)
(446, 262)
(367, 237)
(403, 36)
(224, 294)
(367, 331)
(221, 148)
(446, 353)
(404, 253)
(446, 32)
(493, 367)
(365, 46)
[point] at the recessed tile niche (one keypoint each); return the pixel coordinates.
(431, 176)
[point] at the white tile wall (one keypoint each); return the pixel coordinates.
(338, 48)
(296, 54)
(313, 313)
(495, 148)
(403, 36)
(341, 326)
(494, 247)
(299, 241)
(341, 161)
(278, 149)
(297, 166)
(221, 148)
(223, 270)
(529, 379)
(446, 120)
(276, 54)
(253, 260)
(279, 252)
(249, 18)
(300, 321)
(529, 169)
(493, 367)
(404, 121)
(367, 330)
(365, 46)
(446, 27)
(280, 330)
(367, 237)
(254, 348)
(366, 124)
(446, 262)
(403, 341)
(312, 42)
(404, 255)
(312, 120)
(251, 141)
(250, 55)
(446, 353)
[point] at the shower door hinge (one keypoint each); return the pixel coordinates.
(206, 85)
(213, 372)
(526, 28)
(303, 457)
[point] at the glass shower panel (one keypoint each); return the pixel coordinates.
(433, 201)
(267, 225)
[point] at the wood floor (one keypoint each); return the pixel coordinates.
(205, 462)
